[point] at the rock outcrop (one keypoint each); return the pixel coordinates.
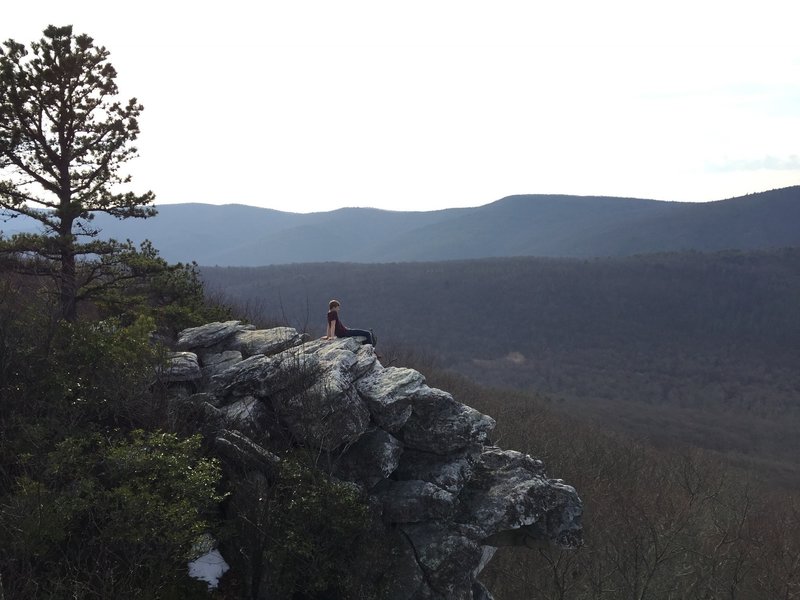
(447, 496)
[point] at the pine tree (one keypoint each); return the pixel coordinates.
(64, 137)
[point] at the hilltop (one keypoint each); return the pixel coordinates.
(523, 225)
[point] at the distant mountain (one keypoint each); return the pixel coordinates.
(526, 225)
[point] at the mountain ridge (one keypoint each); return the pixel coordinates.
(519, 225)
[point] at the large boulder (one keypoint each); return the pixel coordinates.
(214, 364)
(413, 501)
(449, 557)
(263, 376)
(511, 502)
(181, 367)
(446, 497)
(208, 335)
(264, 341)
(388, 394)
(441, 425)
(324, 421)
(448, 472)
(329, 413)
(371, 459)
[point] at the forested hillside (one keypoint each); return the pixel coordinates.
(523, 225)
(105, 484)
(687, 348)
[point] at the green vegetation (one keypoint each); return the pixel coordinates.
(305, 535)
(103, 486)
(108, 517)
(64, 138)
(105, 482)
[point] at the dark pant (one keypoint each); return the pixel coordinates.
(360, 333)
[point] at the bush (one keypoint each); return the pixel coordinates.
(302, 534)
(109, 518)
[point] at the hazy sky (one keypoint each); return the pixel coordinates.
(417, 105)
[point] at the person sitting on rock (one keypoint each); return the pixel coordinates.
(337, 329)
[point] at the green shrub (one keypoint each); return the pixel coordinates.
(109, 518)
(318, 524)
(301, 535)
(144, 284)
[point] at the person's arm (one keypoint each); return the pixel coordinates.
(331, 332)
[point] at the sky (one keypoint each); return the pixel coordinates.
(309, 106)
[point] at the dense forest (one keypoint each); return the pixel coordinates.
(105, 483)
(687, 349)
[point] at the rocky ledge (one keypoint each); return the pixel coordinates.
(446, 494)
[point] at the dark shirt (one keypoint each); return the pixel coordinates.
(340, 329)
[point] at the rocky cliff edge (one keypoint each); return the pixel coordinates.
(447, 495)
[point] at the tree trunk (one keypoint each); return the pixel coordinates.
(69, 288)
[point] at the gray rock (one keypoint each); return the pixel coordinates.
(366, 360)
(329, 413)
(441, 425)
(208, 335)
(448, 556)
(488, 553)
(388, 394)
(479, 592)
(180, 367)
(345, 355)
(448, 472)
(335, 375)
(327, 349)
(243, 452)
(264, 341)
(510, 501)
(263, 376)
(414, 501)
(246, 415)
(323, 420)
(422, 456)
(371, 459)
(214, 364)
(404, 578)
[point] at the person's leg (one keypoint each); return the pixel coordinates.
(361, 333)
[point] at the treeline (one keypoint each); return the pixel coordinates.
(686, 348)
(727, 299)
